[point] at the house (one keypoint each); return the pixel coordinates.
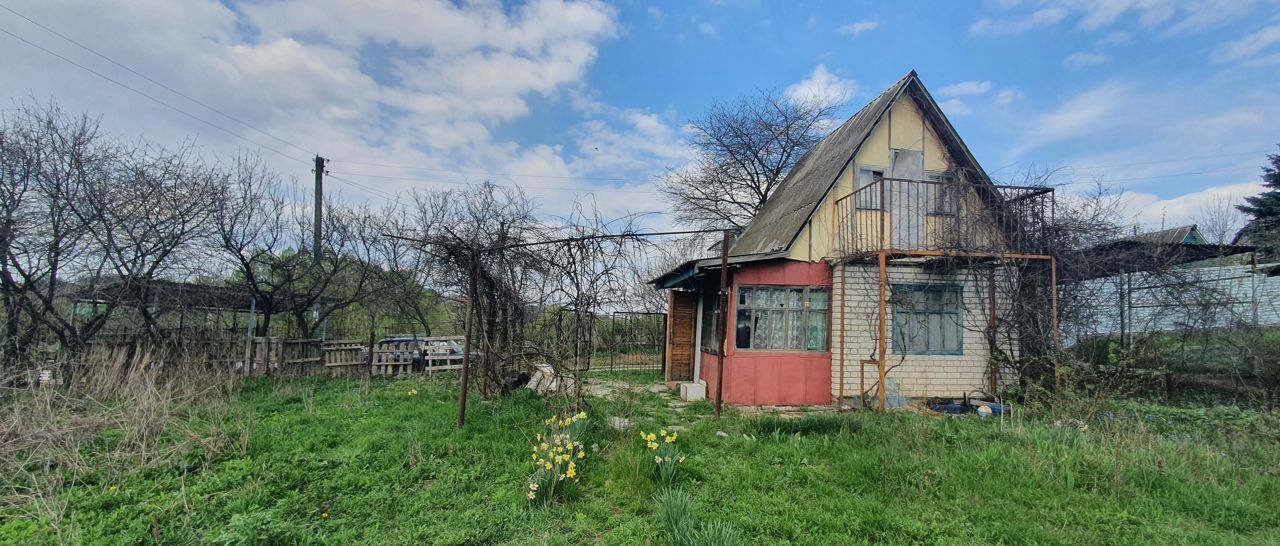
(876, 258)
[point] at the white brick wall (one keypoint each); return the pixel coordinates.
(856, 327)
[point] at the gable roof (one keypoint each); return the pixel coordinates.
(1189, 234)
(785, 213)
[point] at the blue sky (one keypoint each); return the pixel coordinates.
(1172, 102)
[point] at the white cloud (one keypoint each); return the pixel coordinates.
(955, 108)
(1115, 38)
(1154, 212)
(656, 13)
(1009, 96)
(427, 83)
(1248, 45)
(707, 28)
(856, 29)
(1079, 115)
(1081, 59)
(1037, 19)
(971, 87)
(823, 87)
(1167, 17)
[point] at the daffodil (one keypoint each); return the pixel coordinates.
(547, 466)
(532, 495)
(657, 460)
(533, 486)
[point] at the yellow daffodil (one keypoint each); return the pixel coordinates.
(581, 415)
(113, 489)
(535, 456)
(582, 454)
(571, 473)
(532, 496)
(533, 487)
(547, 466)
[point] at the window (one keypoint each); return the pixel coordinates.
(710, 314)
(945, 195)
(926, 319)
(869, 198)
(782, 318)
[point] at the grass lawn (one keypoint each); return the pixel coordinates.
(387, 467)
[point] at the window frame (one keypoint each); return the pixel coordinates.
(902, 314)
(946, 195)
(876, 175)
(806, 311)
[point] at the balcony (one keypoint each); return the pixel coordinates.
(943, 218)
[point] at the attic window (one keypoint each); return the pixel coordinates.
(867, 189)
(944, 195)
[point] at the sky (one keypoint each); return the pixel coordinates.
(1171, 102)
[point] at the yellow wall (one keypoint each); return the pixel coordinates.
(908, 131)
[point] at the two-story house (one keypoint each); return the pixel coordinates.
(874, 262)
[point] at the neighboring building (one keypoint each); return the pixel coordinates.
(887, 225)
(1173, 280)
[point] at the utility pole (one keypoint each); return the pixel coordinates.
(319, 203)
(722, 319)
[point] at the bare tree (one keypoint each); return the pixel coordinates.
(1219, 220)
(155, 205)
(49, 158)
(742, 152)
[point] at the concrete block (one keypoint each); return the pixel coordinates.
(693, 391)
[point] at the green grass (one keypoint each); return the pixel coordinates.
(389, 468)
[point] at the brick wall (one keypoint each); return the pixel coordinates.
(856, 327)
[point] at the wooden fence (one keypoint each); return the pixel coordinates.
(427, 354)
(274, 355)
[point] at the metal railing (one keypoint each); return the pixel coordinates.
(947, 217)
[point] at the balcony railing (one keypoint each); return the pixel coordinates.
(955, 218)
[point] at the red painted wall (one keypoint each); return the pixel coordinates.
(773, 378)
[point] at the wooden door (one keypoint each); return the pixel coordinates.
(682, 320)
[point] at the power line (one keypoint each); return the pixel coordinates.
(1214, 171)
(492, 173)
(520, 186)
(1092, 167)
(623, 235)
(374, 191)
(152, 98)
(153, 81)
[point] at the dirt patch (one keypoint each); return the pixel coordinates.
(607, 388)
